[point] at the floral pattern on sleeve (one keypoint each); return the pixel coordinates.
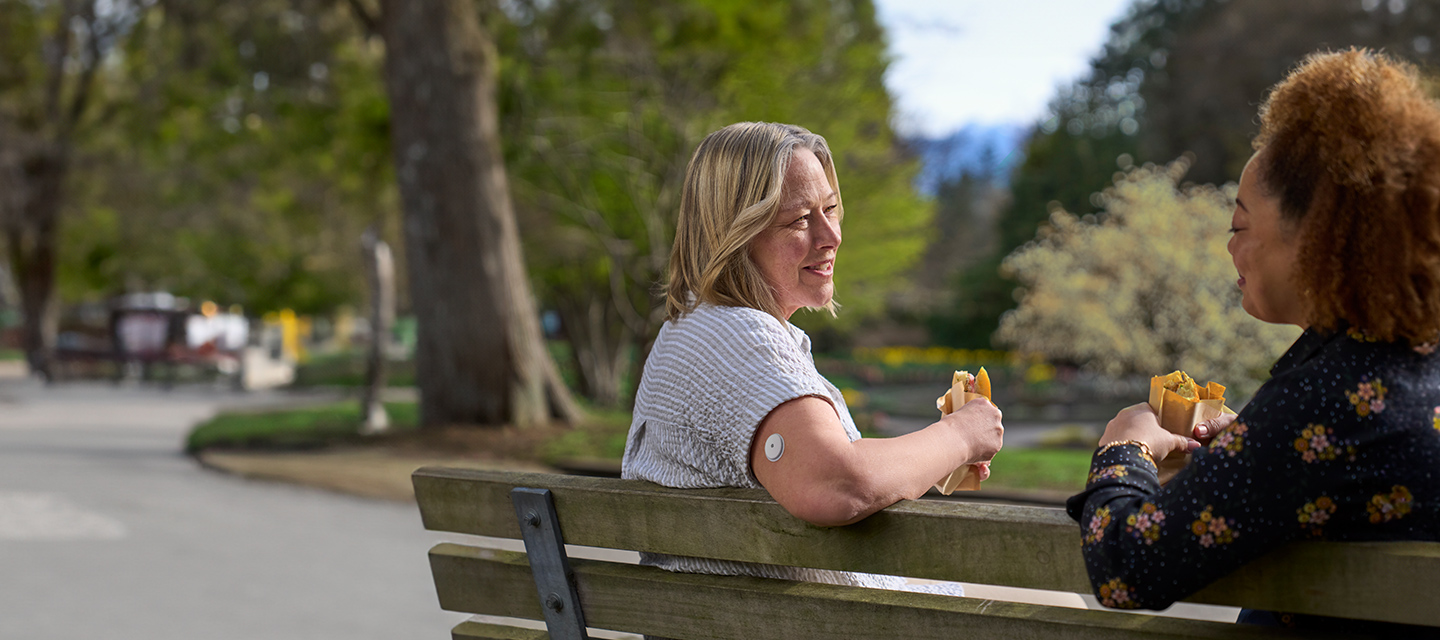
(1314, 444)
(1145, 525)
(1213, 530)
(1314, 514)
(1095, 532)
(1392, 506)
(1368, 397)
(1230, 440)
(1112, 471)
(1116, 595)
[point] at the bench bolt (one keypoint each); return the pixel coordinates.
(555, 603)
(532, 519)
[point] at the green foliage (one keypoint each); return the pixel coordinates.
(310, 427)
(247, 151)
(980, 294)
(1146, 287)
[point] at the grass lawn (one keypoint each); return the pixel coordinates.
(347, 369)
(11, 354)
(1049, 469)
(602, 436)
(304, 428)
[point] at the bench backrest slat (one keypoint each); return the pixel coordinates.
(639, 599)
(1028, 547)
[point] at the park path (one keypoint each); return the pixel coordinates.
(108, 530)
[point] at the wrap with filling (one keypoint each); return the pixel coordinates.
(964, 387)
(1181, 403)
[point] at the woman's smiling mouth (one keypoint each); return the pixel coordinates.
(825, 268)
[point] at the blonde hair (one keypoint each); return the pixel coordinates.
(732, 191)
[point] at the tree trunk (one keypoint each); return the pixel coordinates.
(480, 357)
(380, 269)
(31, 238)
(598, 345)
(33, 171)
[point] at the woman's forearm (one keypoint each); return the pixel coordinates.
(878, 472)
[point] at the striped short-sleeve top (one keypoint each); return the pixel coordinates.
(711, 378)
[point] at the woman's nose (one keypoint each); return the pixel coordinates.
(827, 233)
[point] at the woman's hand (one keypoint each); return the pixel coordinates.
(982, 470)
(1140, 423)
(981, 431)
(1205, 431)
(978, 425)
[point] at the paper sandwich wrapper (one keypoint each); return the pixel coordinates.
(1179, 414)
(963, 478)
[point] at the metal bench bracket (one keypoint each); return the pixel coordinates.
(535, 508)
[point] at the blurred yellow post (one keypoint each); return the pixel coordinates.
(344, 332)
(290, 347)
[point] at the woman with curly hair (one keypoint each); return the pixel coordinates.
(1337, 230)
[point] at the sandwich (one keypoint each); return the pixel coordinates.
(964, 387)
(1181, 403)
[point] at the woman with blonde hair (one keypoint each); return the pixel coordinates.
(730, 396)
(1336, 230)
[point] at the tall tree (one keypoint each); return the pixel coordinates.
(480, 357)
(50, 56)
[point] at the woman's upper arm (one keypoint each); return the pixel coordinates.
(813, 476)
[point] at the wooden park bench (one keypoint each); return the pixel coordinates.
(1015, 546)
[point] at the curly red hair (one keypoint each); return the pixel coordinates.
(1351, 146)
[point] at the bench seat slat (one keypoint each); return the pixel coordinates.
(471, 630)
(638, 599)
(1027, 547)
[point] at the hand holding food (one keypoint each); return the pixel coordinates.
(1181, 404)
(964, 387)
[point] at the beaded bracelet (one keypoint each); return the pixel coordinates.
(1144, 448)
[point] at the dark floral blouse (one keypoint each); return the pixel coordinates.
(1343, 443)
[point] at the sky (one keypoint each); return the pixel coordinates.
(987, 62)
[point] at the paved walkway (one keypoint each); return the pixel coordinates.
(108, 530)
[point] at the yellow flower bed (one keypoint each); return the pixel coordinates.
(1036, 370)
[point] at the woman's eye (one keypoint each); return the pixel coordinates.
(801, 222)
(831, 209)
